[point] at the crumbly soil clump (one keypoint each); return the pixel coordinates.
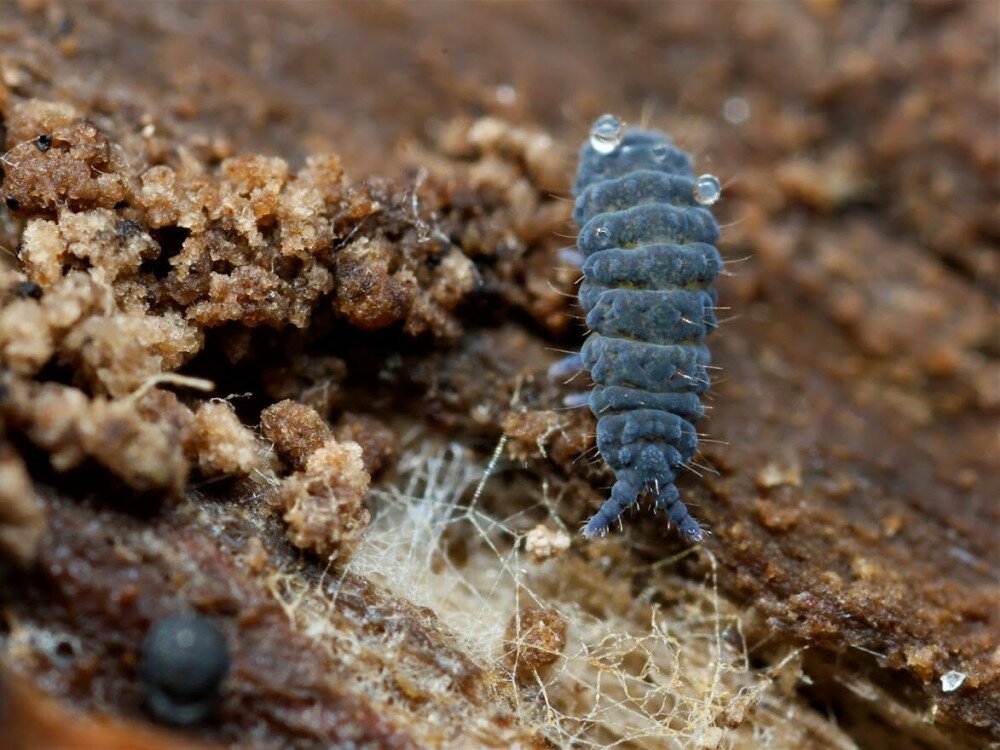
(324, 501)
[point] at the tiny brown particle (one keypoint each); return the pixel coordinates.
(535, 638)
(295, 429)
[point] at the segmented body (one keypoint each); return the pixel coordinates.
(649, 260)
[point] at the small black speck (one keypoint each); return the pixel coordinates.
(4, 392)
(127, 228)
(12, 203)
(44, 142)
(28, 289)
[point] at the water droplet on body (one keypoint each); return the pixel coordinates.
(606, 134)
(707, 189)
(660, 151)
(602, 233)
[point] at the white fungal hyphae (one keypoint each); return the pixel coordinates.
(606, 134)
(952, 680)
(707, 189)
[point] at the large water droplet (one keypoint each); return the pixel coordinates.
(606, 134)
(707, 189)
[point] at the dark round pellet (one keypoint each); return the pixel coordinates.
(184, 661)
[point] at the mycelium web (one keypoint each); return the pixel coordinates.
(597, 653)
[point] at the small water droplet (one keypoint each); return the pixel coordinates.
(506, 94)
(736, 110)
(660, 151)
(707, 189)
(606, 134)
(952, 681)
(602, 233)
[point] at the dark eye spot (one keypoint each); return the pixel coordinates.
(43, 142)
